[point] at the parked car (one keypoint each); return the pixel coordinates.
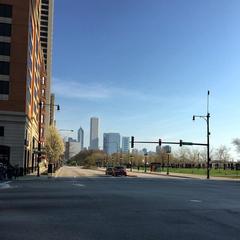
(109, 171)
(119, 171)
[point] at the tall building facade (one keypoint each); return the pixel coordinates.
(125, 144)
(46, 30)
(23, 84)
(72, 148)
(94, 129)
(111, 143)
(81, 137)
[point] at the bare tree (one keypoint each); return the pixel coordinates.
(222, 153)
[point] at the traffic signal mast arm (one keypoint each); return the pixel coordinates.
(159, 142)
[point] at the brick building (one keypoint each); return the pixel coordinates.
(24, 83)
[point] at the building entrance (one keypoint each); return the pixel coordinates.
(4, 155)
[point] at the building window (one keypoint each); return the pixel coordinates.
(4, 68)
(4, 87)
(43, 39)
(44, 28)
(45, 7)
(1, 131)
(44, 23)
(44, 18)
(5, 48)
(43, 34)
(44, 45)
(44, 12)
(5, 10)
(5, 29)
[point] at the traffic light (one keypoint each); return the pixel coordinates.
(132, 142)
(180, 143)
(160, 142)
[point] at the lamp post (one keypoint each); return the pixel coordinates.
(145, 162)
(41, 104)
(206, 118)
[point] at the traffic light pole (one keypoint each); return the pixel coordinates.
(208, 147)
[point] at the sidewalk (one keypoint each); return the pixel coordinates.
(184, 175)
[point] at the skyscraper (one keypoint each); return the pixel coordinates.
(81, 137)
(125, 144)
(111, 143)
(46, 29)
(94, 128)
(23, 84)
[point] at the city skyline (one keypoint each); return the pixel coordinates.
(147, 73)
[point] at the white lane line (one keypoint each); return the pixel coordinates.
(79, 185)
(5, 185)
(196, 200)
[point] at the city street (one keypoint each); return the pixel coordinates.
(96, 206)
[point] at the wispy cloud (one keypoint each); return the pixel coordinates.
(92, 91)
(74, 89)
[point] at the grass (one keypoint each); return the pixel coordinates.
(202, 171)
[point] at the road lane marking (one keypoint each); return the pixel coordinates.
(79, 185)
(5, 185)
(196, 200)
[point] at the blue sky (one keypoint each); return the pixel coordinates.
(144, 67)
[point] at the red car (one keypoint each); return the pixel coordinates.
(119, 171)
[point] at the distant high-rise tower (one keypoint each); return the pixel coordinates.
(81, 137)
(94, 140)
(125, 144)
(111, 143)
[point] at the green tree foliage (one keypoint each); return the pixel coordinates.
(54, 145)
(88, 158)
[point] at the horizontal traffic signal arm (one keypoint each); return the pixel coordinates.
(160, 142)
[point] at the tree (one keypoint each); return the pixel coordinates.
(236, 143)
(54, 145)
(88, 158)
(222, 153)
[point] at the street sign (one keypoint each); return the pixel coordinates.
(187, 143)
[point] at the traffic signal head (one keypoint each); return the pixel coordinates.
(160, 142)
(180, 143)
(132, 142)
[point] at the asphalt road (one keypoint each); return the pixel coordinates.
(91, 208)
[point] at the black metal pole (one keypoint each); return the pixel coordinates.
(208, 147)
(39, 139)
(168, 166)
(145, 164)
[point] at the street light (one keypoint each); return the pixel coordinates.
(206, 118)
(41, 104)
(145, 162)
